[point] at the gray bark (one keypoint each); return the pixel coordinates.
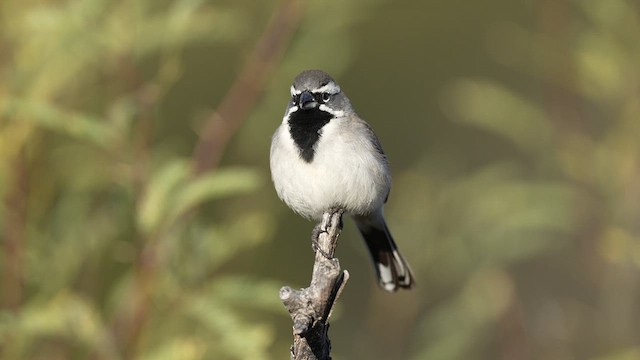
(310, 308)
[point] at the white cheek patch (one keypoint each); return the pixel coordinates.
(289, 112)
(335, 113)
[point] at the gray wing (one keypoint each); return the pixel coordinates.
(377, 146)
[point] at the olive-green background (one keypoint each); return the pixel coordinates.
(512, 128)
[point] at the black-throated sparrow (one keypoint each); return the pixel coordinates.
(325, 156)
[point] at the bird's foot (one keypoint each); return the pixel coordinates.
(324, 227)
(333, 211)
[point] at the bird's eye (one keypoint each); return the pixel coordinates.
(326, 97)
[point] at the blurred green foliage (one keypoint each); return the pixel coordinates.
(104, 255)
(512, 128)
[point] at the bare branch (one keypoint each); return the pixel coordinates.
(310, 308)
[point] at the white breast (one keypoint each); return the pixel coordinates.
(347, 170)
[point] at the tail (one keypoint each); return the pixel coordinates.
(392, 269)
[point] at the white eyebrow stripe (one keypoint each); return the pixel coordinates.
(331, 88)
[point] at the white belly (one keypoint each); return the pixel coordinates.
(346, 171)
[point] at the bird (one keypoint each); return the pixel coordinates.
(324, 156)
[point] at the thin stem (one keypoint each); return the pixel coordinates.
(248, 86)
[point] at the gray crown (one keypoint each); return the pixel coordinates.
(311, 79)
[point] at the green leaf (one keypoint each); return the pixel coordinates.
(501, 111)
(160, 194)
(225, 322)
(81, 126)
(68, 315)
(215, 185)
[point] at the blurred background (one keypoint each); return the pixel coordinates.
(138, 221)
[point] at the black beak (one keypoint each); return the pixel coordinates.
(307, 101)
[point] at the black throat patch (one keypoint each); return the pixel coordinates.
(305, 126)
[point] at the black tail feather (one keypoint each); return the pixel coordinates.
(392, 269)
